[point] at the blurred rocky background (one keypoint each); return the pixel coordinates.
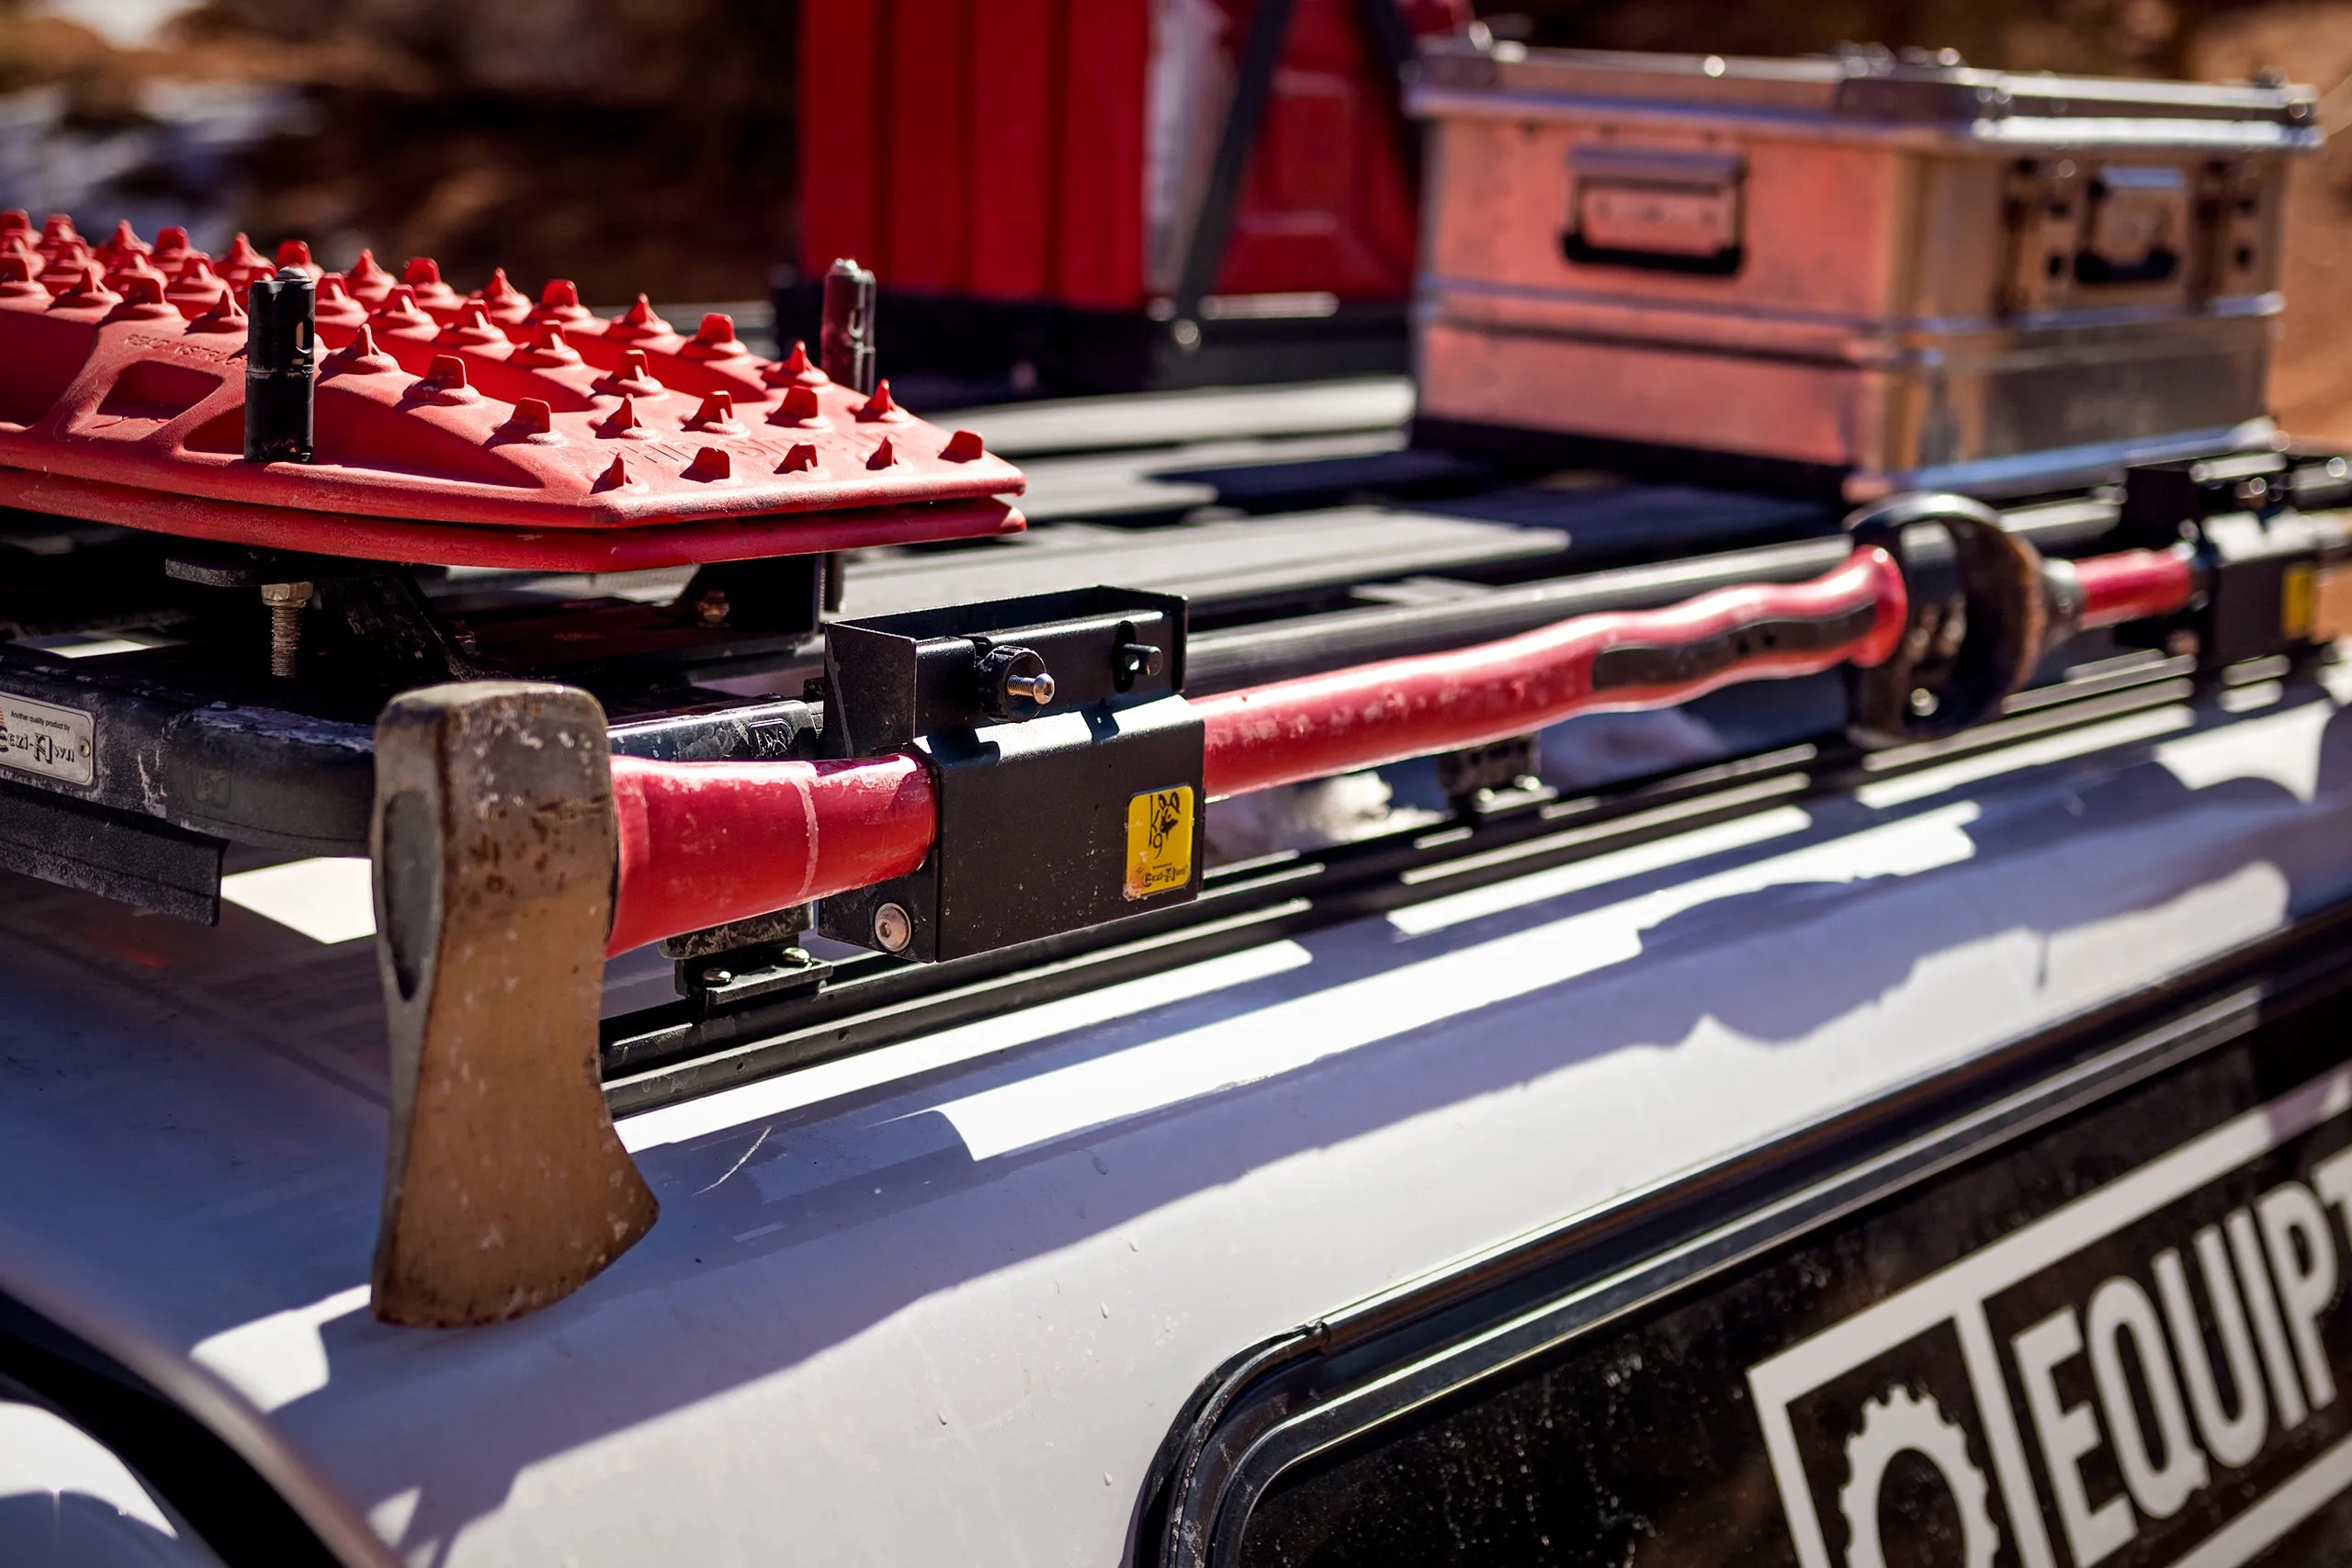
(648, 144)
(628, 144)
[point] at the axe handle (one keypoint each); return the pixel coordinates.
(706, 843)
(2132, 586)
(1375, 714)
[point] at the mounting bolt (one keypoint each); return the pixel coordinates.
(893, 928)
(711, 609)
(1014, 684)
(1038, 688)
(285, 600)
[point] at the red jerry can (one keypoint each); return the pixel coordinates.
(1115, 193)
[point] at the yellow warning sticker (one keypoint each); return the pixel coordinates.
(2298, 601)
(1159, 840)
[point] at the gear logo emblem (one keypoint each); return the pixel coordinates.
(1901, 1421)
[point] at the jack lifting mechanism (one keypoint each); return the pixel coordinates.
(514, 850)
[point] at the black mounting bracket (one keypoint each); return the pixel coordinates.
(1065, 763)
(2259, 547)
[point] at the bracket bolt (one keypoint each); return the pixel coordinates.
(1038, 688)
(1014, 684)
(893, 928)
(285, 600)
(1139, 659)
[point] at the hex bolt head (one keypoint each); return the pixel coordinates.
(893, 928)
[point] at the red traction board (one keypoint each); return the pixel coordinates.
(454, 430)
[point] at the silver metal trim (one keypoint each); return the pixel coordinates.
(2061, 468)
(1993, 138)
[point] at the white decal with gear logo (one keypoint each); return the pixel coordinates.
(1903, 1421)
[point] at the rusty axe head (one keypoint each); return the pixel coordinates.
(506, 1187)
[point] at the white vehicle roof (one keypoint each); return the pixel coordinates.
(942, 1301)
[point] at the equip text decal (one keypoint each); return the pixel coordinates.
(2146, 1375)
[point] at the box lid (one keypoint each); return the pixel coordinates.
(1867, 91)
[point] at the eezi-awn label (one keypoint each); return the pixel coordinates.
(1159, 840)
(2153, 1376)
(56, 743)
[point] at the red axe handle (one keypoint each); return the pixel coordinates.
(706, 843)
(1375, 714)
(2132, 585)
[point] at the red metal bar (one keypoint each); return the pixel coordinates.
(1014, 81)
(2132, 586)
(1106, 65)
(842, 114)
(704, 843)
(1327, 201)
(928, 184)
(1350, 720)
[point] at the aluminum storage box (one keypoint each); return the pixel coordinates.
(1856, 273)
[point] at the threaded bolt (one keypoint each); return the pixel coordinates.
(286, 601)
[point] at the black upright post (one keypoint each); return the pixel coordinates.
(281, 339)
(845, 342)
(845, 346)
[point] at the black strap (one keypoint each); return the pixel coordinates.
(1261, 52)
(1392, 39)
(1391, 45)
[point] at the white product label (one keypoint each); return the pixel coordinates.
(57, 743)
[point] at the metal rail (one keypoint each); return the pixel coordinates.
(660, 1055)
